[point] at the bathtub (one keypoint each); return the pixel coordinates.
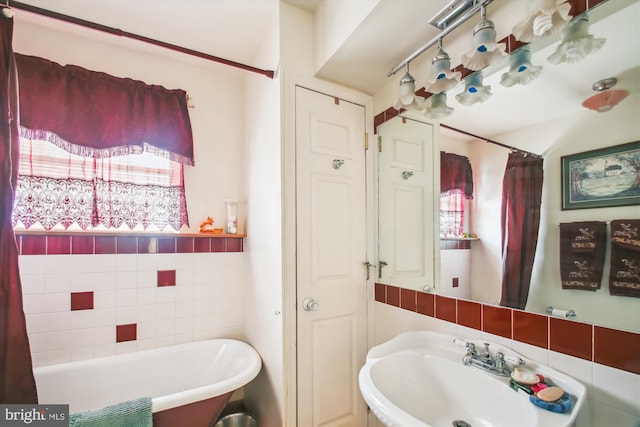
(189, 383)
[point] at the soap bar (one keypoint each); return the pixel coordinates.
(525, 377)
(550, 394)
(561, 405)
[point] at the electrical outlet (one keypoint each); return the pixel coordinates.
(455, 282)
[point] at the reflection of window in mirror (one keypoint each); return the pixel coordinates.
(456, 185)
(452, 218)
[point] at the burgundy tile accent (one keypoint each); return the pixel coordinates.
(147, 245)
(426, 304)
(446, 308)
(380, 292)
(593, 3)
(408, 299)
(424, 93)
(577, 7)
(393, 296)
(58, 245)
(455, 244)
(166, 278)
(512, 44)
(82, 244)
(464, 72)
(201, 244)
(569, 337)
(126, 332)
(81, 301)
(126, 244)
(496, 320)
(470, 314)
(184, 245)
(233, 244)
(531, 328)
(166, 245)
(34, 245)
(219, 245)
(105, 245)
(616, 348)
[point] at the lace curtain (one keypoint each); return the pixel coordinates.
(60, 190)
(452, 214)
(456, 185)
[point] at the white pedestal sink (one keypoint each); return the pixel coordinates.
(417, 379)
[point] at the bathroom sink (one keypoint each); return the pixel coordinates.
(418, 379)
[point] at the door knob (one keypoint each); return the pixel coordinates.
(309, 304)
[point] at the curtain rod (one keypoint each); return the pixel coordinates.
(526, 153)
(115, 31)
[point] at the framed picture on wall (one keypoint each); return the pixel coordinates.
(602, 178)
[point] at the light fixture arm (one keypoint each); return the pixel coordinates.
(452, 26)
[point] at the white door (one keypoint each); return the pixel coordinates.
(331, 249)
(406, 204)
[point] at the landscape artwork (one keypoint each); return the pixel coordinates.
(602, 178)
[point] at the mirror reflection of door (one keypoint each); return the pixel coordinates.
(406, 204)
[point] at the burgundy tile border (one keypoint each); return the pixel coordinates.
(408, 299)
(616, 348)
(531, 328)
(58, 243)
(380, 292)
(470, 314)
(612, 347)
(572, 338)
(446, 308)
(426, 304)
(496, 320)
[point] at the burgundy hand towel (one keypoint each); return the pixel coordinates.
(582, 248)
(624, 277)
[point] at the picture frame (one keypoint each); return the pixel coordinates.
(601, 178)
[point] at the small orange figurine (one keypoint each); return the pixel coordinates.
(206, 226)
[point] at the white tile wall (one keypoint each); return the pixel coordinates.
(207, 302)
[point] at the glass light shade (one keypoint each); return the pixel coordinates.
(407, 89)
(442, 78)
(521, 71)
(474, 91)
(576, 42)
(438, 109)
(546, 17)
(485, 49)
(605, 100)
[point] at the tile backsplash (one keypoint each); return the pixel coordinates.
(92, 296)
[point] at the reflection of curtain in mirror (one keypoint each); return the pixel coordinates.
(17, 384)
(520, 220)
(451, 213)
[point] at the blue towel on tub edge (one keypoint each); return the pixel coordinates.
(132, 413)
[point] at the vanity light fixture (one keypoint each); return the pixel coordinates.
(485, 49)
(521, 71)
(442, 78)
(408, 98)
(474, 91)
(546, 17)
(576, 42)
(438, 109)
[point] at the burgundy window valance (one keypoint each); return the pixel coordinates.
(455, 174)
(98, 115)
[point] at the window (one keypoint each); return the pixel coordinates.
(58, 190)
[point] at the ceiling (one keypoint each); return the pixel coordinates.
(235, 30)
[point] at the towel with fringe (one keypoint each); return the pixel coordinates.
(582, 249)
(624, 277)
(132, 413)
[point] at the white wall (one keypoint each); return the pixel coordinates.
(264, 397)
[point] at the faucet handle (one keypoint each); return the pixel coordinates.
(471, 347)
(486, 349)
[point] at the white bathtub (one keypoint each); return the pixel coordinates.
(181, 379)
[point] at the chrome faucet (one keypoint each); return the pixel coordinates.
(484, 361)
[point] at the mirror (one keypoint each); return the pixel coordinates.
(474, 271)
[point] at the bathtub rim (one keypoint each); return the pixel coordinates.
(179, 398)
